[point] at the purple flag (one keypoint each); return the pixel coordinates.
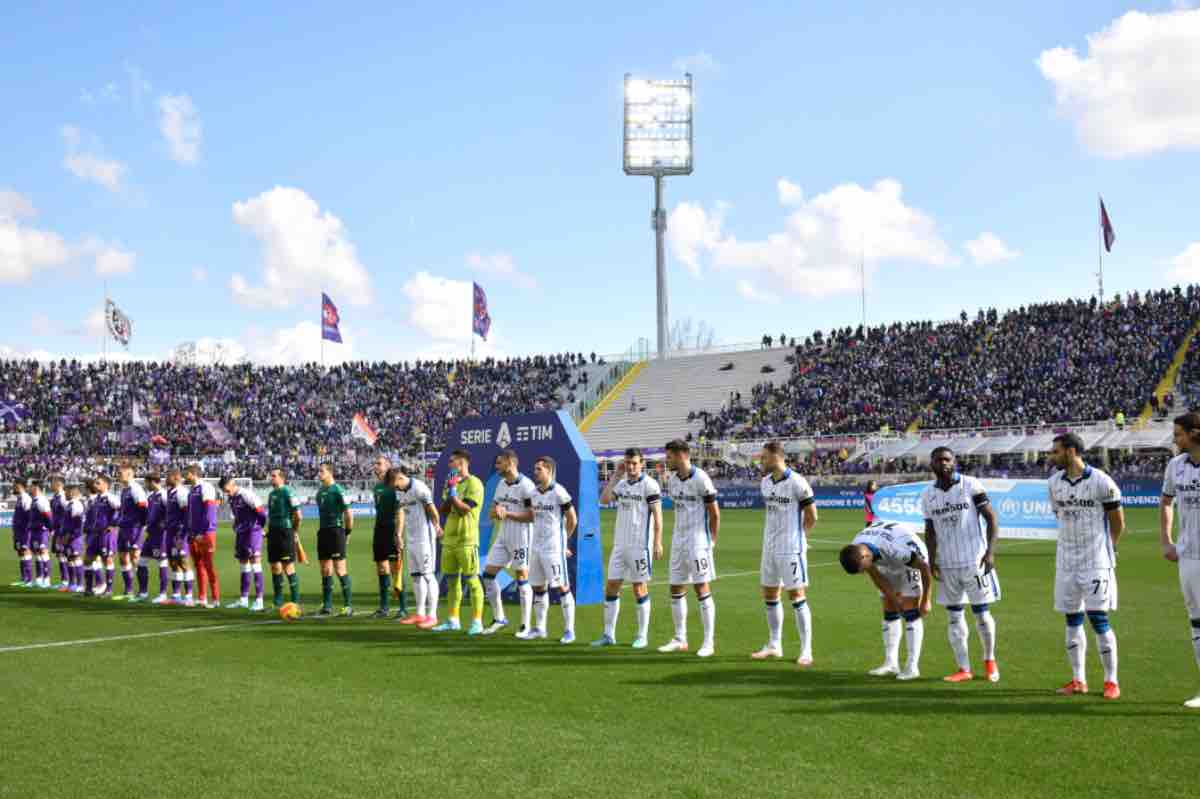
(1106, 228)
(481, 323)
(330, 320)
(12, 411)
(220, 433)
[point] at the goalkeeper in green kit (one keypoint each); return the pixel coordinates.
(462, 501)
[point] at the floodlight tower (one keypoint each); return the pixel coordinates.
(658, 142)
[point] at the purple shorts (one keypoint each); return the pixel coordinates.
(154, 547)
(247, 546)
(176, 542)
(73, 547)
(129, 540)
(39, 541)
(102, 545)
(20, 540)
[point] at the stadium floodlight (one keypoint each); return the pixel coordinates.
(657, 141)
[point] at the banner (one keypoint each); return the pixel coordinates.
(120, 327)
(139, 416)
(1106, 229)
(330, 319)
(1022, 506)
(361, 430)
(220, 434)
(12, 411)
(481, 322)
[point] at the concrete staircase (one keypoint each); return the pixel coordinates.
(669, 389)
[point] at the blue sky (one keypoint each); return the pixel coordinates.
(219, 167)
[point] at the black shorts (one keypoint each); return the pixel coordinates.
(384, 544)
(281, 545)
(331, 543)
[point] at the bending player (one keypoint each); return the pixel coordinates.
(249, 516)
(337, 522)
(283, 537)
(790, 517)
(419, 529)
(1090, 521)
(462, 500)
(898, 564)
(963, 559)
(637, 543)
(512, 509)
(697, 524)
(1182, 481)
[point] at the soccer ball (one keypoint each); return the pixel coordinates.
(290, 612)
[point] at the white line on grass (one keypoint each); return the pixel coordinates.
(182, 631)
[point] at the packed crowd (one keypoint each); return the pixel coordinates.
(71, 412)
(1053, 362)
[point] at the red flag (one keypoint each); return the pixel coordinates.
(1106, 227)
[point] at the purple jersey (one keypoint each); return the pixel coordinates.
(90, 506)
(248, 512)
(58, 509)
(133, 507)
(40, 518)
(72, 526)
(202, 509)
(176, 510)
(156, 511)
(20, 520)
(105, 516)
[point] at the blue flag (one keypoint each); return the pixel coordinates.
(481, 323)
(330, 320)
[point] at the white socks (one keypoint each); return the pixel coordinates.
(892, 630)
(567, 600)
(541, 605)
(1106, 643)
(957, 634)
(985, 624)
(643, 620)
(679, 612)
(493, 595)
(525, 591)
(419, 593)
(803, 614)
(1077, 651)
(432, 590)
(708, 618)
(612, 608)
(914, 634)
(774, 623)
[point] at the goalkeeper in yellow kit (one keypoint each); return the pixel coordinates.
(462, 500)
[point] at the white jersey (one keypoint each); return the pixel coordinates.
(1082, 509)
(1182, 481)
(515, 497)
(691, 497)
(961, 540)
(413, 501)
(635, 505)
(892, 545)
(549, 509)
(783, 526)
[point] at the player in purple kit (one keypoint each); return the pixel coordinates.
(91, 544)
(58, 511)
(40, 522)
(131, 521)
(249, 516)
(154, 547)
(202, 529)
(20, 530)
(176, 538)
(73, 539)
(102, 544)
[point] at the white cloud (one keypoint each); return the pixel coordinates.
(108, 259)
(200, 274)
(789, 193)
(747, 291)
(818, 251)
(1185, 267)
(14, 205)
(502, 265)
(441, 308)
(1137, 91)
(696, 63)
(305, 250)
(85, 165)
(298, 344)
(24, 251)
(179, 122)
(988, 248)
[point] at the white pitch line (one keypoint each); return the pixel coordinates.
(83, 641)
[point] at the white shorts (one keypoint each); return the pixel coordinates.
(787, 571)
(509, 551)
(1189, 581)
(968, 585)
(692, 565)
(1091, 589)
(421, 558)
(630, 564)
(548, 568)
(906, 582)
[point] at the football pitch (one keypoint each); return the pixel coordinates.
(208, 703)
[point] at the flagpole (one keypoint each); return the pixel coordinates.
(1100, 250)
(104, 326)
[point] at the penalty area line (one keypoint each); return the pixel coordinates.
(135, 636)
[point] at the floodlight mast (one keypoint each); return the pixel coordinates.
(657, 141)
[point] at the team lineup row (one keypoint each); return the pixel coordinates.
(174, 526)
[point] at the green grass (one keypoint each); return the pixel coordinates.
(363, 708)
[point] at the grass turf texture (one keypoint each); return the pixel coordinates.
(360, 707)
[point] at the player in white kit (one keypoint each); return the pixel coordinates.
(1090, 521)
(790, 517)
(554, 521)
(418, 528)
(898, 563)
(963, 559)
(512, 513)
(697, 523)
(637, 543)
(1181, 484)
